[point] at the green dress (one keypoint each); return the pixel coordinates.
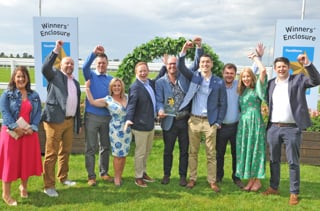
(251, 134)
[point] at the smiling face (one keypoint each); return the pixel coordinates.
(229, 74)
(101, 64)
(246, 79)
(172, 65)
(282, 70)
(206, 64)
(67, 65)
(21, 80)
(142, 71)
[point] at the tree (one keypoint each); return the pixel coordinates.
(155, 49)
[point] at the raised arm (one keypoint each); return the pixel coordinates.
(181, 60)
(262, 68)
(87, 64)
(47, 69)
(198, 53)
(101, 102)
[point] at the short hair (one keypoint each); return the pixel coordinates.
(207, 56)
(112, 82)
(139, 64)
(24, 70)
(102, 55)
(230, 66)
(281, 59)
(241, 86)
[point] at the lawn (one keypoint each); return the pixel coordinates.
(105, 196)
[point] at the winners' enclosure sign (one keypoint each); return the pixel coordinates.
(46, 31)
(294, 37)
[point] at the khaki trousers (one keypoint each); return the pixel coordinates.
(198, 126)
(143, 140)
(59, 139)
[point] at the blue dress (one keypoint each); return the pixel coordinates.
(120, 140)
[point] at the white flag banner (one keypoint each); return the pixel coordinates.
(46, 31)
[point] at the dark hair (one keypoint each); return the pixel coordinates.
(206, 55)
(282, 59)
(24, 70)
(230, 66)
(102, 55)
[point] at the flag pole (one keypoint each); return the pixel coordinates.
(39, 7)
(303, 8)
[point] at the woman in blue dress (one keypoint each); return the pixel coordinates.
(120, 140)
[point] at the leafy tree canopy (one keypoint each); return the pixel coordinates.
(155, 49)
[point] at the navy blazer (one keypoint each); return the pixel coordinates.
(57, 93)
(140, 108)
(297, 95)
(217, 99)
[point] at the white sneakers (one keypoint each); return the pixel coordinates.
(51, 192)
(69, 183)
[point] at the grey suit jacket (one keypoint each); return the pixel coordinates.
(297, 95)
(57, 93)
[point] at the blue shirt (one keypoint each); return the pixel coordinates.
(99, 86)
(152, 95)
(232, 114)
(199, 102)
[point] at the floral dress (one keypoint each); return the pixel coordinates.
(120, 140)
(251, 134)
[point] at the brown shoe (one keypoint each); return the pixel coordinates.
(107, 178)
(191, 184)
(146, 178)
(92, 182)
(183, 181)
(165, 180)
(214, 187)
(270, 191)
(238, 183)
(294, 199)
(139, 182)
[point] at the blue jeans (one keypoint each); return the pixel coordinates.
(97, 126)
(178, 130)
(291, 137)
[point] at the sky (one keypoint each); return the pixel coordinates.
(231, 27)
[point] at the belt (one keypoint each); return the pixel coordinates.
(68, 117)
(279, 124)
(230, 124)
(200, 117)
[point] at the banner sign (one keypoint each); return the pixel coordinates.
(46, 31)
(294, 37)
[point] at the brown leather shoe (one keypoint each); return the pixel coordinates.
(294, 199)
(146, 178)
(92, 182)
(107, 178)
(183, 181)
(214, 187)
(165, 180)
(139, 182)
(239, 183)
(191, 184)
(270, 191)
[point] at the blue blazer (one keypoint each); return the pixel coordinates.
(297, 95)
(164, 90)
(217, 99)
(140, 108)
(57, 93)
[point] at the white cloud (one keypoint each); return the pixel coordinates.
(231, 27)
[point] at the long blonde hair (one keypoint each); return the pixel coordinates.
(241, 86)
(112, 82)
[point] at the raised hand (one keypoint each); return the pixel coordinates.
(303, 59)
(165, 59)
(260, 49)
(99, 49)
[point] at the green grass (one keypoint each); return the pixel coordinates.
(5, 73)
(105, 196)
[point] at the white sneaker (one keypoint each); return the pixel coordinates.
(69, 183)
(51, 192)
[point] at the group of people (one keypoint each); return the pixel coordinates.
(191, 103)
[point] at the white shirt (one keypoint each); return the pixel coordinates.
(281, 110)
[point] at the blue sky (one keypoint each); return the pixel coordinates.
(230, 27)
